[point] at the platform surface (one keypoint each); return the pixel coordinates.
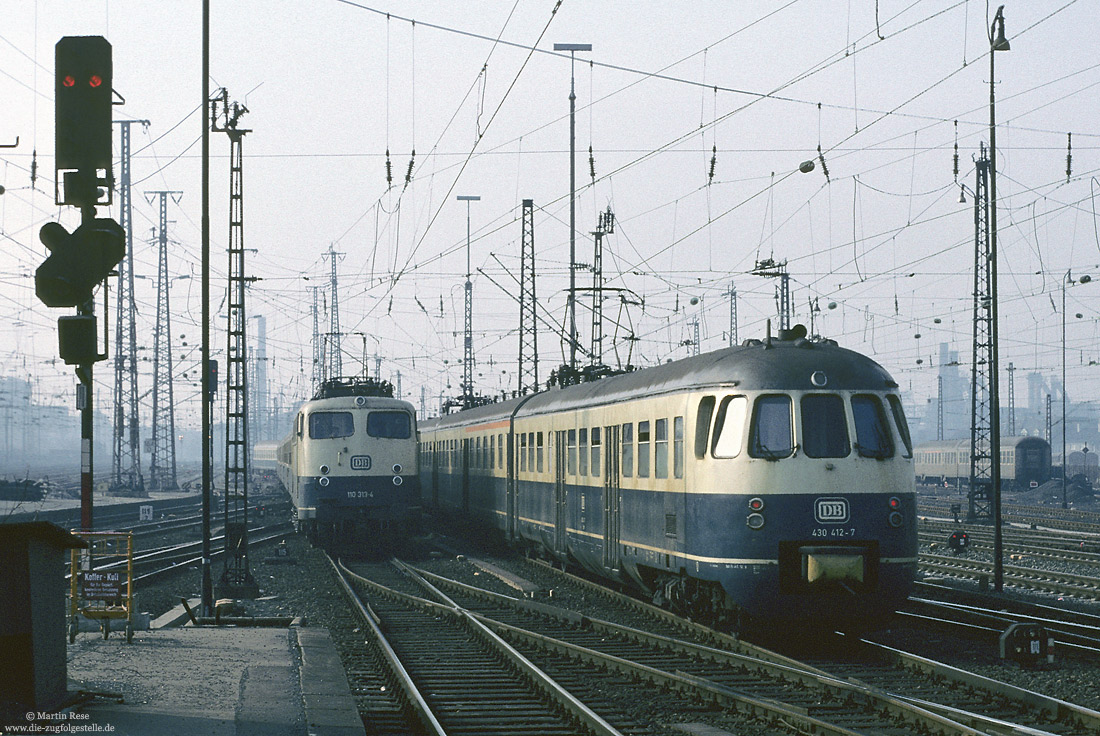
(223, 681)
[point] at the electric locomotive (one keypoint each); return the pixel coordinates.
(350, 465)
(773, 479)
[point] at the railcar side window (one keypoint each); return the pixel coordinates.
(702, 425)
(531, 451)
(872, 431)
(729, 427)
(492, 452)
(500, 450)
(770, 434)
(539, 455)
(643, 449)
(301, 424)
(660, 449)
(678, 447)
(902, 425)
(626, 466)
(582, 451)
(824, 426)
(393, 425)
(523, 452)
(324, 425)
(571, 452)
(596, 451)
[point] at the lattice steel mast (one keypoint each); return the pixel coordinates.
(236, 580)
(334, 359)
(162, 463)
(769, 268)
(528, 325)
(605, 225)
(732, 294)
(126, 459)
(982, 453)
(318, 347)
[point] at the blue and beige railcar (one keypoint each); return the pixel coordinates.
(1025, 462)
(773, 479)
(350, 464)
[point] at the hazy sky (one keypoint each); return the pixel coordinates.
(885, 88)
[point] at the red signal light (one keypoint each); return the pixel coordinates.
(95, 80)
(68, 81)
(895, 502)
(756, 504)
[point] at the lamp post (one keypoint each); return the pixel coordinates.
(468, 356)
(572, 48)
(997, 42)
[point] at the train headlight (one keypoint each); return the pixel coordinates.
(324, 470)
(755, 521)
(896, 519)
(397, 480)
(756, 504)
(396, 468)
(323, 482)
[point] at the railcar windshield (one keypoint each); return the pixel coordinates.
(393, 425)
(325, 425)
(903, 426)
(824, 426)
(729, 426)
(872, 432)
(770, 435)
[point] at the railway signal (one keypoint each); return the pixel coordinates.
(78, 261)
(82, 120)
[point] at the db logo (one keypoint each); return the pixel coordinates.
(360, 462)
(831, 510)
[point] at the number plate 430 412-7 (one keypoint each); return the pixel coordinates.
(838, 532)
(360, 462)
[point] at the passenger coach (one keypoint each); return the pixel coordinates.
(774, 478)
(1025, 462)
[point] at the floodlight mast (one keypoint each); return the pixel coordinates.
(572, 48)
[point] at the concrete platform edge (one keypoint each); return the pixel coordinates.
(329, 706)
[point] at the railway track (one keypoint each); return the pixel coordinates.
(1073, 520)
(853, 692)
(456, 675)
(1072, 632)
(1029, 578)
(966, 699)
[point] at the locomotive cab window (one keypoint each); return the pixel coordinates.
(770, 435)
(824, 426)
(391, 425)
(324, 425)
(729, 426)
(872, 432)
(903, 426)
